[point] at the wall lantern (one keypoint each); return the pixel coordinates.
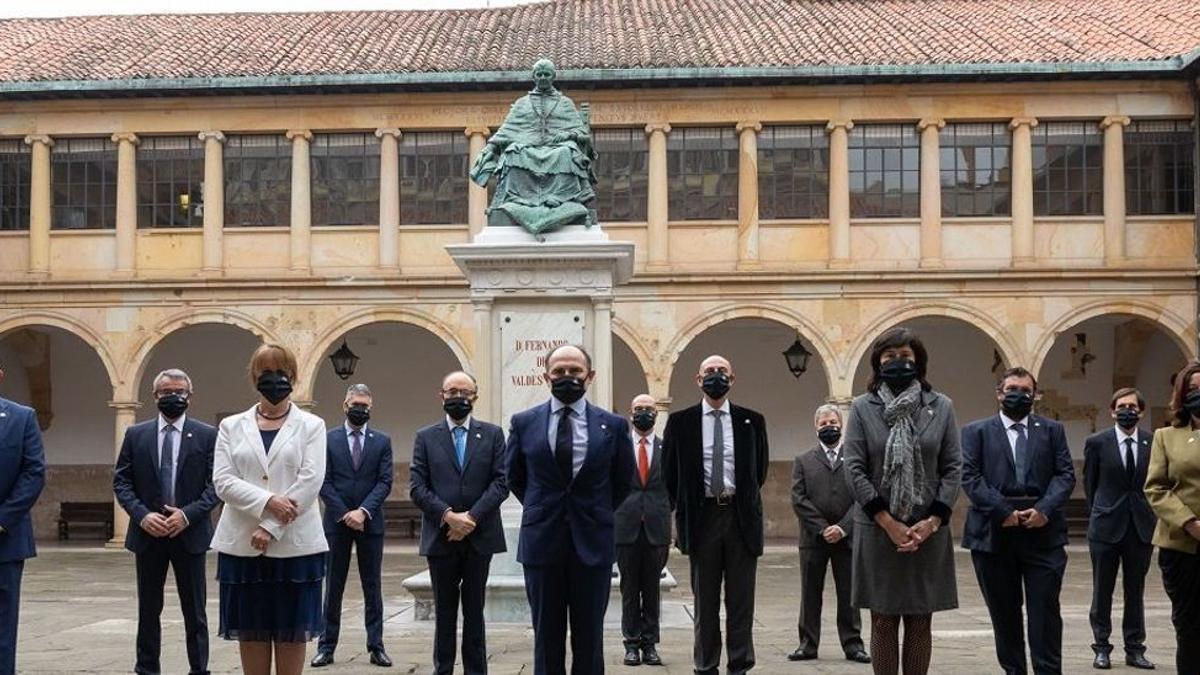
(797, 357)
(344, 361)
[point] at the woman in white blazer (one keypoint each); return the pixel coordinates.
(268, 468)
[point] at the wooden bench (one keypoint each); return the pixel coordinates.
(402, 518)
(87, 515)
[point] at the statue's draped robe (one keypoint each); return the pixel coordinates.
(540, 185)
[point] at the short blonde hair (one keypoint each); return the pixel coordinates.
(270, 356)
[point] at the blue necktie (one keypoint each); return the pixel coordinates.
(166, 479)
(460, 446)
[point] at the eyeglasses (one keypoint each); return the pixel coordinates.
(177, 392)
(458, 393)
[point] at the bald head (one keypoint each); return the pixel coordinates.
(715, 362)
(644, 401)
(715, 379)
(643, 411)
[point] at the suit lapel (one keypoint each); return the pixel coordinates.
(1000, 438)
(289, 429)
(741, 445)
(925, 415)
(474, 438)
(446, 438)
(597, 434)
(541, 446)
(250, 429)
(1143, 456)
(6, 415)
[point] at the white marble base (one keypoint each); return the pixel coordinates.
(519, 235)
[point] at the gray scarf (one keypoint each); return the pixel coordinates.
(903, 468)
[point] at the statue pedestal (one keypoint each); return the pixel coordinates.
(530, 296)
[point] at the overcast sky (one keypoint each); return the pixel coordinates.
(15, 8)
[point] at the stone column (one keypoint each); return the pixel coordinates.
(389, 199)
(931, 192)
(748, 194)
(39, 204)
(1114, 188)
(301, 234)
(214, 201)
(476, 194)
(489, 395)
(126, 411)
(601, 391)
(658, 240)
(1022, 190)
(839, 192)
(126, 202)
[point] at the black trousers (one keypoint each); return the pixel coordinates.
(152, 564)
(1181, 580)
(1134, 556)
(370, 571)
(641, 565)
(720, 556)
(10, 604)
(1038, 572)
(568, 594)
(461, 575)
(813, 563)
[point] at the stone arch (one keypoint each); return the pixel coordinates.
(635, 343)
(1172, 324)
(70, 324)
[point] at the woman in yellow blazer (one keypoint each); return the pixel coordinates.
(268, 468)
(1173, 489)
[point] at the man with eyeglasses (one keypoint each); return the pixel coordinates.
(458, 482)
(163, 480)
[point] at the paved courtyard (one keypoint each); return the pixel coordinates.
(79, 616)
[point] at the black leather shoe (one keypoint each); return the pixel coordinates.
(1102, 662)
(650, 656)
(801, 655)
(632, 656)
(322, 659)
(859, 656)
(1138, 661)
(380, 658)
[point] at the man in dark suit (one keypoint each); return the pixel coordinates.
(1018, 475)
(458, 483)
(163, 480)
(643, 539)
(1120, 526)
(822, 500)
(358, 478)
(570, 464)
(717, 456)
(22, 477)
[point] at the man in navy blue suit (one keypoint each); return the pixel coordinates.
(163, 480)
(570, 464)
(458, 483)
(1018, 474)
(22, 477)
(358, 478)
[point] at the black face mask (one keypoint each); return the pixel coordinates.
(830, 435)
(716, 385)
(643, 420)
(1191, 403)
(358, 415)
(274, 385)
(1128, 418)
(172, 405)
(568, 389)
(458, 407)
(1017, 404)
(898, 373)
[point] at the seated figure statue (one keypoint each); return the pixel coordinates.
(542, 158)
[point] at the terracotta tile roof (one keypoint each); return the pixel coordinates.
(610, 34)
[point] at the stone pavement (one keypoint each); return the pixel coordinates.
(79, 616)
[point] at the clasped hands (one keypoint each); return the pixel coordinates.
(170, 525)
(461, 525)
(355, 519)
(1028, 518)
(908, 539)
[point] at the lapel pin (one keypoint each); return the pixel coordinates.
(3, 414)
(478, 435)
(929, 410)
(1037, 424)
(603, 426)
(189, 434)
(1192, 439)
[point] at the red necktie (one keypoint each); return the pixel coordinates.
(643, 461)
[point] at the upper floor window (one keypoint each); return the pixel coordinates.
(84, 183)
(433, 177)
(621, 174)
(1159, 170)
(885, 171)
(702, 173)
(258, 174)
(345, 179)
(15, 168)
(1068, 169)
(793, 172)
(976, 170)
(170, 180)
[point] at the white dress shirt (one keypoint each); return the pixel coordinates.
(177, 435)
(637, 437)
(1121, 436)
(836, 450)
(1012, 433)
(706, 430)
(578, 428)
(451, 425)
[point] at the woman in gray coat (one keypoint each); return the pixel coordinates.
(903, 464)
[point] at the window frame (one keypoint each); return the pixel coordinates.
(76, 175)
(16, 160)
(149, 207)
(682, 202)
(815, 173)
(861, 151)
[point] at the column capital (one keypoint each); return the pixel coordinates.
(126, 137)
(39, 138)
(1121, 120)
(214, 135)
(476, 131)
(749, 124)
(832, 125)
(389, 131)
(483, 303)
(927, 122)
(658, 126)
(125, 406)
(602, 303)
(1015, 122)
(293, 134)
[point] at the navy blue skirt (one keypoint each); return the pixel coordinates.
(271, 599)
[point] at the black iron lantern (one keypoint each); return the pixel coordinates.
(797, 357)
(344, 361)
